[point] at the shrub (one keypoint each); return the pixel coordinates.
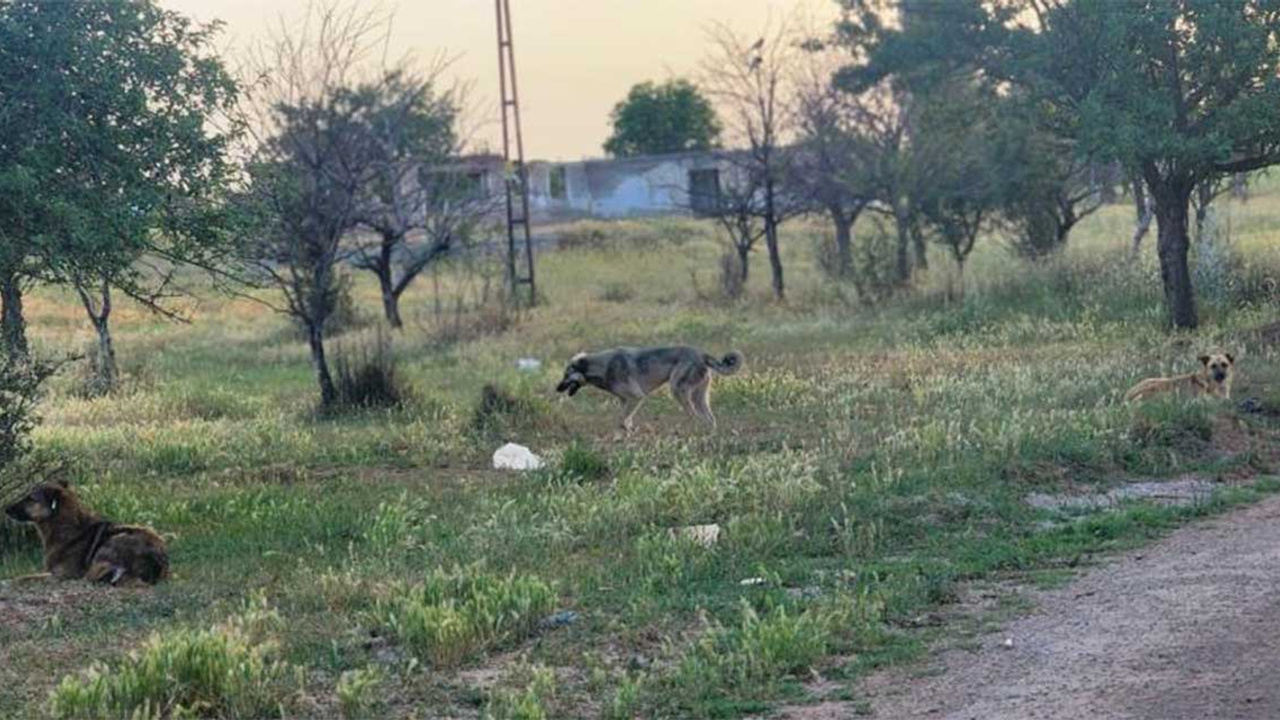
(501, 412)
(582, 461)
(229, 671)
(20, 382)
(454, 616)
(366, 375)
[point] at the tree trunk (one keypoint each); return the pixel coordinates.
(105, 372)
(771, 240)
(390, 301)
(1204, 198)
(13, 324)
(108, 374)
(844, 241)
(1240, 187)
(921, 249)
(775, 259)
(1172, 205)
(1144, 212)
(904, 247)
(328, 391)
(383, 268)
(744, 254)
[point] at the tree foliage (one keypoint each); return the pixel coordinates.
(115, 148)
(1178, 92)
(657, 118)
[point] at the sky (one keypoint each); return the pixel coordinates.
(575, 59)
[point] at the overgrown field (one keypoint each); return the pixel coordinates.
(869, 462)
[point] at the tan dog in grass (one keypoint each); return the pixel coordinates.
(1213, 380)
(80, 544)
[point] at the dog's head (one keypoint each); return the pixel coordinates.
(41, 504)
(575, 375)
(1218, 367)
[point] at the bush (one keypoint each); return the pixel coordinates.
(366, 375)
(229, 671)
(20, 382)
(500, 412)
(583, 462)
(454, 616)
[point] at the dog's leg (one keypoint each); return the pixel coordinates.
(702, 402)
(630, 406)
(684, 398)
(30, 578)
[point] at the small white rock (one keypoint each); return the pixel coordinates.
(528, 364)
(515, 457)
(704, 535)
(1008, 643)
(752, 581)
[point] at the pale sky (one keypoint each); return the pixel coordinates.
(575, 58)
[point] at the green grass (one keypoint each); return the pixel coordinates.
(870, 461)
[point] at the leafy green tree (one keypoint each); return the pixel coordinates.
(662, 118)
(112, 150)
(1178, 91)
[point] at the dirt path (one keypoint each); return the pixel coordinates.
(1188, 627)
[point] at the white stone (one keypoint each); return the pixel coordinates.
(515, 457)
(529, 364)
(704, 535)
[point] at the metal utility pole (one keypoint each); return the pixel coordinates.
(516, 176)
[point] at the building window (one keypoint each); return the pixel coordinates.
(704, 191)
(559, 185)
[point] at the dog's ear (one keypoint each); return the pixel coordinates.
(1230, 358)
(1204, 359)
(62, 483)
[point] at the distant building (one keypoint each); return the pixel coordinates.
(677, 184)
(658, 185)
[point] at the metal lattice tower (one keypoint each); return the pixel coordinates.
(516, 175)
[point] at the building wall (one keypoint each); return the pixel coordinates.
(620, 188)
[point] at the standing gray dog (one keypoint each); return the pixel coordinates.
(632, 374)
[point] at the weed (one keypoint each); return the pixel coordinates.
(366, 375)
(581, 461)
(358, 693)
(530, 703)
(229, 671)
(454, 616)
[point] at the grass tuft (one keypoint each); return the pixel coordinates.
(453, 617)
(229, 671)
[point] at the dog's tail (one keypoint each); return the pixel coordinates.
(727, 365)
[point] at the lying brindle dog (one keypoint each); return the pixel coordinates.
(80, 544)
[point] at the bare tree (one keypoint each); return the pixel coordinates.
(311, 163)
(739, 210)
(750, 83)
(417, 207)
